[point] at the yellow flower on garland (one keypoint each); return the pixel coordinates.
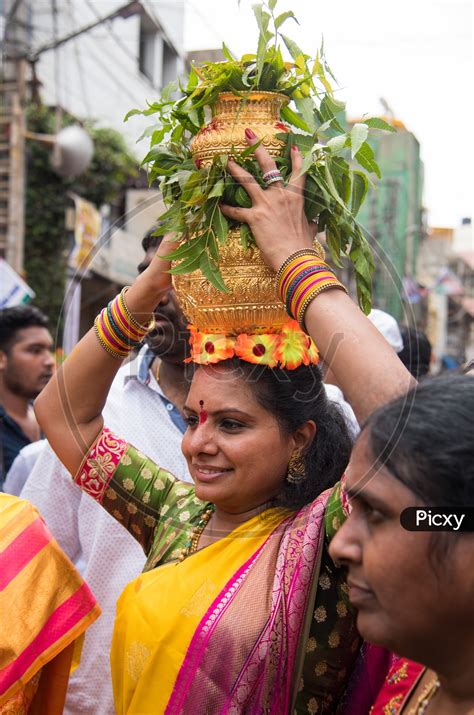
(295, 347)
(258, 349)
(209, 348)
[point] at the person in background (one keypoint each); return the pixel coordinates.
(26, 365)
(416, 351)
(145, 400)
(414, 589)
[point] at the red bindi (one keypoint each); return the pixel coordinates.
(202, 413)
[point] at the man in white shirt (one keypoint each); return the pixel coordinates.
(142, 407)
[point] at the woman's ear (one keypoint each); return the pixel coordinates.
(305, 435)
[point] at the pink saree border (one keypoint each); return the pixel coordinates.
(100, 464)
(294, 570)
(204, 631)
(263, 673)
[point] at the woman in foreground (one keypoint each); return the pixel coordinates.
(414, 590)
(247, 612)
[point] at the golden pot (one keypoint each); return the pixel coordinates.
(231, 115)
(252, 303)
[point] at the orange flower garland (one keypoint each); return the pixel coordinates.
(289, 348)
(257, 349)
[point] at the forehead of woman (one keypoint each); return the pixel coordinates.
(222, 386)
(369, 480)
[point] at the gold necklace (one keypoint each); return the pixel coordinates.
(426, 697)
(192, 543)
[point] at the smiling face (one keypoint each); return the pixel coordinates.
(410, 599)
(238, 455)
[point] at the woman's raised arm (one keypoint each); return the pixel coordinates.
(70, 406)
(366, 368)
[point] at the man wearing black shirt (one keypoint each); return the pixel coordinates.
(26, 365)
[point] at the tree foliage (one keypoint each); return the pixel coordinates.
(46, 241)
(338, 164)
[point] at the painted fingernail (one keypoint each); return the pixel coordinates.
(294, 148)
(250, 134)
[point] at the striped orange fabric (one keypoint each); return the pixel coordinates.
(48, 603)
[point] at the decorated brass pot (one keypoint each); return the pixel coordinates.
(231, 115)
(252, 303)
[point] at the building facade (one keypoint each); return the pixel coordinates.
(392, 216)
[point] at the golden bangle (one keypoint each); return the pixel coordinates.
(133, 321)
(314, 294)
(297, 254)
(104, 345)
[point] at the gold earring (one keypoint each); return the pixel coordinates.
(296, 469)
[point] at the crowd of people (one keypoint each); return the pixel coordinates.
(238, 523)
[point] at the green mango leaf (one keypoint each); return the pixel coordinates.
(360, 186)
(250, 149)
(314, 201)
(217, 190)
(188, 249)
(220, 225)
(292, 47)
(272, 4)
(187, 266)
(366, 158)
(359, 134)
(193, 80)
(288, 115)
(227, 53)
(132, 113)
(304, 142)
(212, 246)
(345, 189)
(332, 186)
(337, 143)
(211, 271)
(377, 123)
(333, 243)
(284, 17)
(242, 198)
(305, 106)
(246, 238)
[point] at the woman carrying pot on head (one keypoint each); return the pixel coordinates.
(246, 612)
(414, 590)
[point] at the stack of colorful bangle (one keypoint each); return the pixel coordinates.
(301, 277)
(117, 330)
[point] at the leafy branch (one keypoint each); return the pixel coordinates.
(339, 164)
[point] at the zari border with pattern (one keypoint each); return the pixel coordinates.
(100, 463)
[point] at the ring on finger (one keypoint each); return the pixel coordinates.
(272, 176)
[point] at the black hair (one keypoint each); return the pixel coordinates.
(294, 397)
(16, 318)
(424, 439)
(416, 351)
(152, 238)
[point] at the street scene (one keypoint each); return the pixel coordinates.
(236, 358)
